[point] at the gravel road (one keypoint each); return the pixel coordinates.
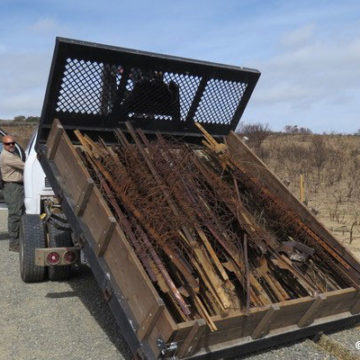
(53, 320)
(70, 320)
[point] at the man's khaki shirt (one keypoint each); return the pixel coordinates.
(12, 167)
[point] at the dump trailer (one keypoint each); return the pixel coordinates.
(96, 89)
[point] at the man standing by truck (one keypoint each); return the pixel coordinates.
(12, 168)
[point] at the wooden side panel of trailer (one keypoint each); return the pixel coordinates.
(277, 318)
(149, 317)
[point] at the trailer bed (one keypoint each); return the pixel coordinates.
(141, 313)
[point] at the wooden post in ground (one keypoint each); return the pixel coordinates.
(302, 189)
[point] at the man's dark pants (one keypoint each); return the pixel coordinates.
(14, 198)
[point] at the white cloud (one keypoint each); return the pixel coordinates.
(47, 25)
(314, 72)
(298, 37)
(23, 83)
(23, 103)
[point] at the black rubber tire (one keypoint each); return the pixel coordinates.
(32, 236)
(59, 238)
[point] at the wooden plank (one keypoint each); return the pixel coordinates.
(67, 161)
(136, 287)
(355, 308)
(189, 345)
(337, 301)
(54, 139)
(210, 278)
(302, 188)
(263, 326)
(311, 312)
(203, 312)
(233, 327)
(150, 320)
(130, 276)
(84, 197)
(212, 253)
(104, 240)
(291, 312)
(96, 214)
(238, 325)
(66, 164)
(125, 270)
(264, 271)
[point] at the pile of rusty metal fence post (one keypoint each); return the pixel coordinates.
(210, 237)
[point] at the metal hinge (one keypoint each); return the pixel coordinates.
(167, 351)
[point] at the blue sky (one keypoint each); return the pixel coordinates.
(307, 51)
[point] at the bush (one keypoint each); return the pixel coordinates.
(256, 133)
(33, 119)
(294, 129)
(19, 118)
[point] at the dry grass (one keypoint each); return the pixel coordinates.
(330, 165)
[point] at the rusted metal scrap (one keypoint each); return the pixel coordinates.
(194, 224)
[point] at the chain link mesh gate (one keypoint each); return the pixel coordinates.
(94, 86)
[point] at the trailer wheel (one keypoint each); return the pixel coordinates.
(59, 238)
(31, 236)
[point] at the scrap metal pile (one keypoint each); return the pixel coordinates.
(211, 238)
